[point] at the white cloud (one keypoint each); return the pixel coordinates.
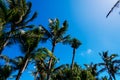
(89, 51)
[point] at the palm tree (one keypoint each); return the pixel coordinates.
(29, 42)
(65, 73)
(75, 43)
(56, 35)
(40, 58)
(13, 17)
(93, 69)
(110, 64)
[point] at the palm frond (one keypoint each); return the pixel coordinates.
(27, 12)
(113, 75)
(17, 62)
(112, 8)
(5, 72)
(65, 24)
(116, 61)
(11, 3)
(43, 53)
(112, 56)
(3, 9)
(105, 54)
(101, 64)
(30, 39)
(59, 67)
(102, 70)
(47, 34)
(57, 22)
(22, 3)
(61, 31)
(66, 39)
(6, 58)
(32, 18)
(75, 43)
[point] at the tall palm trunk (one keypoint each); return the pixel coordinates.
(35, 76)
(42, 77)
(24, 65)
(50, 63)
(72, 64)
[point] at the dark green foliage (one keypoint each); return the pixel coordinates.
(65, 73)
(75, 43)
(40, 58)
(110, 64)
(56, 33)
(6, 68)
(5, 72)
(13, 17)
(30, 39)
(92, 68)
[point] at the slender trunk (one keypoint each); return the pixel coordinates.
(49, 68)
(50, 63)
(72, 64)
(5, 43)
(25, 63)
(42, 77)
(35, 76)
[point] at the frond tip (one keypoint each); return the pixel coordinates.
(113, 8)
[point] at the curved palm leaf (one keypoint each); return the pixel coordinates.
(14, 16)
(41, 57)
(110, 64)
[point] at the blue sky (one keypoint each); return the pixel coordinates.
(87, 22)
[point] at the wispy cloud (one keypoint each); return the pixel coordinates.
(89, 51)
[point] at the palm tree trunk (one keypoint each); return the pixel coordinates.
(42, 77)
(72, 65)
(25, 63)
(50, 63)
(49, 68)
(35, 76)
